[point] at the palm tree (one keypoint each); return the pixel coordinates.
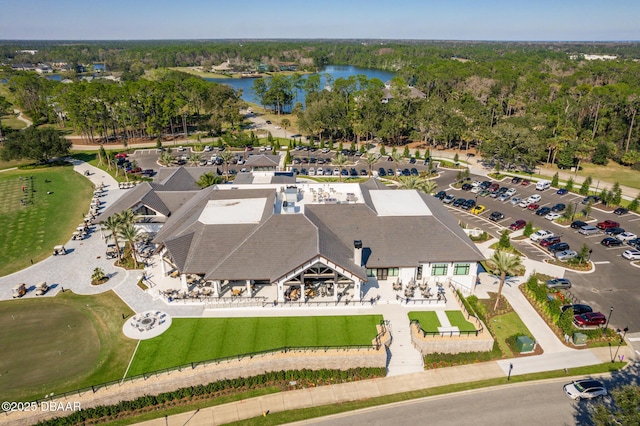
(226, 158)
(371, 159)
(97, 275)
(208, 179)
(417, 182)
(165, 159)
(503, 263)
(113, 224)
(194, 159)
(396, 157)
(131, 235)
(340, 161)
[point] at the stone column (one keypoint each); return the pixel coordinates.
(281, 292)
(249, 289)
(357, 287)
(183, 282)
(216, 288)
(162, 267)
(302, 297)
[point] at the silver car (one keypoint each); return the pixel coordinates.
(589, 230)
(585, 389)
(566, 255)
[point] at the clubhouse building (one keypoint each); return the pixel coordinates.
(300, 240)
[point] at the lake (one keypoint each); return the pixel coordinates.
(335, 71)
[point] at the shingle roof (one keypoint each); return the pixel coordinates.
(129, 200)
(179, 180)
(263, 160)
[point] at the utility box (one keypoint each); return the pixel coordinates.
(579, 339)
(525, 344)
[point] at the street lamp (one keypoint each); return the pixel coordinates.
(620, 343)
(610, 312)
(575, 208)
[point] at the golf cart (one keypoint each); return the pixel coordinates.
(77, 235)
(112, 251)
(59, 250)
(19, 290)
(41, 288)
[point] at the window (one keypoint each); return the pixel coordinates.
(394, 272)
(461, 269)
(419, 273)
(439, 269)
(371, 272)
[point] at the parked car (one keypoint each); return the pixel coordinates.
(535, 198)
(440, 195)
(577, 224)
(524, 203)
(608, 224)
(459, 202)
(552, 216)
(518, 224)
(511, 192)
(484, 193)
(590, 319)
(614, 231)
(525, 182)
(504, 197)
(496, 216)
(546, 242)
(558, 283)
(558, 208)
(554, 248)
(533, 207)
(578, 308)
(562, 191)
(543, 211)
(541, 234)
(476, 190)
(585, 389)
(591, 199)
(382, 172)
(631, 254)
(626, 236)
(588, 230)
(565, 255)
(478, 209)
(465, 187)
(634, 243)
(611, 242)
(516, 180)
(515, 201)
(468, 205)
(448, 199)
(18, 290)
(620, 211)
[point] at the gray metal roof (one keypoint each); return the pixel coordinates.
(179, 180)
(129, 200)
(263, 160)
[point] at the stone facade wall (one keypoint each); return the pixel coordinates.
(451, 344)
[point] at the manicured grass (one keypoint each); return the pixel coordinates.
(13, 163)
(61, 344)
(457, 319)
(193, 340)
(428, 320)
(29, 232)
(505, 326)
(12, 122)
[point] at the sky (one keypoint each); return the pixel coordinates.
(518, 20)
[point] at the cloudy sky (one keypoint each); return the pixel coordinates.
(576, 20)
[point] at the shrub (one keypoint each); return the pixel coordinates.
(504, 242)
(528, 229)
(565, 322)
(569, 185)
(554, 180)
(584, 189)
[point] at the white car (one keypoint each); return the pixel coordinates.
(552, 216)
(312, 171)
(207, 148)
(476, 189)
(535, 198)
(541, 234)
(524, 203)
(336, 171)
(319, 172)
(631, 254)
(515, 200)
(511, 192)
(626, 236)
(476, 183)
(585, 389)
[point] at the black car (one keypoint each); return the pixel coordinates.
(591, 198)
(578, 224)
(353, 172)
(458, 202)
(381, 172)
(440, 195)
(390, 172)
(558, 208)
(614, 231)
(468, 205)
(578, 308)
(414, 172)
(620, 211)
(412, 160)
(465, 187)
(406, 172)
(496, 216)
(634, 243)
(543, 211)
(611, 242)
(558, 247)
(516, 180)
(486, 184)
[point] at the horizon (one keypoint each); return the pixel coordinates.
(458, 20)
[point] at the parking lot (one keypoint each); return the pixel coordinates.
(615, 281)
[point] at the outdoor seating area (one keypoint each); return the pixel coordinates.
(420, 290)
(146, 325)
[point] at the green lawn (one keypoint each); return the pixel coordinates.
(29, 232)
(505, 326)
(457, 319)
(60, 344)
(428, 320)
(192, 340)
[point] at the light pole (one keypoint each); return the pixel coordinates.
(608, 319)
(574, 211)
(620, 343)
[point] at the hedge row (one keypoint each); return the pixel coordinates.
(280, 379)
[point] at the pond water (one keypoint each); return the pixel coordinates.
(334, 71)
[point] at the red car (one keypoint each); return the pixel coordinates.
(525, 182)
(608, 224)
(590, 319)
(518, 224)
(121, 155)
(533, 206)
(549, 241)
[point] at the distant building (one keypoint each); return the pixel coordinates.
(44, 69)
(589, 57)
(99, 67)
(23, 67)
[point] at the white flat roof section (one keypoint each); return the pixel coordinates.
(230, 212)
(399, 203)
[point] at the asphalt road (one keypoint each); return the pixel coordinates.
(615, 280)
(530, 403)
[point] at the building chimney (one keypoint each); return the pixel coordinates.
(357, 252)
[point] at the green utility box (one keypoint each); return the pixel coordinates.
(524, 344)
(579, 339)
